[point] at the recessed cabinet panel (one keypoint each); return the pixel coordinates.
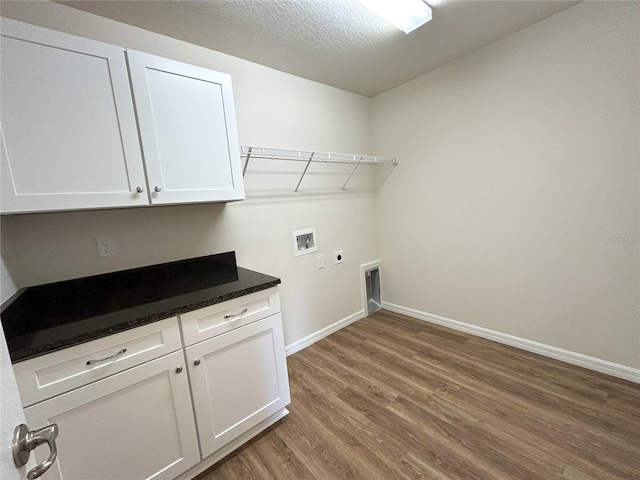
(188, 129)
(69, 136)
(238, 379)
(195, 143)
(261, 379)
(137, 424)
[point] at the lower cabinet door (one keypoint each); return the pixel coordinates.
(137, 424)
(238, 379)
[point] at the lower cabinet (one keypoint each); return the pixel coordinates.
(124, 404)
(238, 379)
(137, 424)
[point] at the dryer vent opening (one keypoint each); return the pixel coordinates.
(372, 285)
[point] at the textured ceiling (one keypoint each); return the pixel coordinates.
(335, 42)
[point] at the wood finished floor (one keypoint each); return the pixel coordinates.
(390, 397)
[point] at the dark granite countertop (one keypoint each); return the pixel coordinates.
(51, 317)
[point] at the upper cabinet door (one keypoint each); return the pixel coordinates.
(188, 130)
(68, 132)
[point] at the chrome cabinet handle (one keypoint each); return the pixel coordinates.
(119, 352)
(139, 190)
(24, 441)
(178, 369)
(157, 189)
(232, 315)
(196, 362)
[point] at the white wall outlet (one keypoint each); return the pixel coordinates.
(106, 247)
(338, 257)
(320, 261)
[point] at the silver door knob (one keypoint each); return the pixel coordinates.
(139, 190)
(24, 441)
(157, 189)
(196, 362)
(178, 369)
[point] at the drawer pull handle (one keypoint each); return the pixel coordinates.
(233, 315)
(119, 352)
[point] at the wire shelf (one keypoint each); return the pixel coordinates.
(322, 172)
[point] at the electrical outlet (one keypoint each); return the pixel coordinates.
(338, 257)
(320, 261)
(106, 247)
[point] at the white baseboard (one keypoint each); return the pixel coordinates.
(592, 363)
(320, 334)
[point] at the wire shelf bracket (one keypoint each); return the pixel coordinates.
(303, 173)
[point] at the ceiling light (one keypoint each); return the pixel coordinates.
(407, 15)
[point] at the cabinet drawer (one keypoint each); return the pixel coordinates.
(58, 372)
(223, 317)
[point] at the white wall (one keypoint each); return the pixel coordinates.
(516, 203)
(7, 285)
(273, 109)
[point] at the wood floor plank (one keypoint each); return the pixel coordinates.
(353, 432)
(310, 376)
(422, 439)
(338, 455)
(530, 428)
(279, 460)
(584, 407)
(355, 378)
(479, 441)
(391, 397)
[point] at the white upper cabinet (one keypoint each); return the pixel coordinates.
(69, 137)
(188, 130)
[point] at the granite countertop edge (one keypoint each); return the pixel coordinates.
(47, 318)
(163, 313)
